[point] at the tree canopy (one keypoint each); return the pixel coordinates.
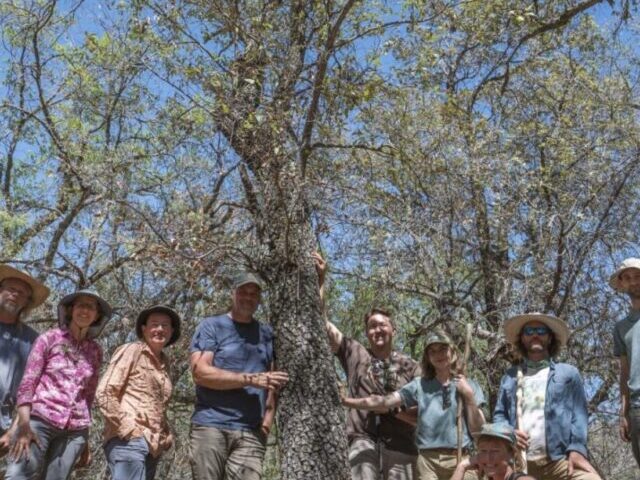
(456, 161)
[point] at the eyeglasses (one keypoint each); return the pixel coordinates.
(528, 331)
(446, 398)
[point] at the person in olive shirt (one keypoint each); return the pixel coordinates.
(381, 446)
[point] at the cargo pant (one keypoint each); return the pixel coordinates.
(368, 461)
(218, 454)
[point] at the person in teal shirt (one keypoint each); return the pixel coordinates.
(434, 393)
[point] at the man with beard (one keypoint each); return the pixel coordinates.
(232, 367)
(381, 446)
(19, 294)
(626, 346)
(552, 426)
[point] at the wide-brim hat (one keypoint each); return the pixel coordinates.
(105, 311)
(628, 263)
(513, 326)
(170, 312)
(503, 431)
(39, 292)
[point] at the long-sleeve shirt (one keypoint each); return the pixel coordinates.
(60, 379)
(565, 409)
(133, 396)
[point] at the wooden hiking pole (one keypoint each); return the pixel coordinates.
(519, 394)
(460, 403)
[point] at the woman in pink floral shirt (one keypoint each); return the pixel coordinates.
(57, 391)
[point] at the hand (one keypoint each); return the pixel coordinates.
(321, 266)
(85, 457)
(625, 433)
(5, 443)
(273, 380)
(522, 439)
(168, 441)
(577, 461)
(22, 445)
(264, 429)
(464, 389)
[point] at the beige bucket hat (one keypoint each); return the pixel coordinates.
(513, 326)
(614, 280)
(39, 291)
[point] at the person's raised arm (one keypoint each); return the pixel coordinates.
(333, 333)
(206, 375)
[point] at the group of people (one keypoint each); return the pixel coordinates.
(402, 414)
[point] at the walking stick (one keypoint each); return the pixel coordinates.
(460, 403)
(522, 454)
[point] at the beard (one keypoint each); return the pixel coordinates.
(634, 293)
(10, 308)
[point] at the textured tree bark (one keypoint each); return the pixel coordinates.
(311, 419)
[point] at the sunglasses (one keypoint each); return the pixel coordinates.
(528, 331)
(446, 398)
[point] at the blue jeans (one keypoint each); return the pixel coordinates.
(60, 450)
(130, 459)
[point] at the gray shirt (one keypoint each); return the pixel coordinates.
(437, 425)
(626, 342)
(15, 345)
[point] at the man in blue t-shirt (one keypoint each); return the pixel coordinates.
(232, 367)
(626, 346)
(19, 293)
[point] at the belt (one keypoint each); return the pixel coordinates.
(446, 451)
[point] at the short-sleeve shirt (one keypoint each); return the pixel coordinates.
(236, 347)
(437, 425)
(15, 344)
(366, 376)
(626, 342)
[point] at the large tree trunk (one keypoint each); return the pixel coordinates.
(311, 419)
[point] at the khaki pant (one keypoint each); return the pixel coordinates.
(549, 470)
(439, 464)
(367, 462)
(218, 454)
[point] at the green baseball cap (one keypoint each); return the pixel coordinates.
(244, 278)
(503, 431)
(437, 336)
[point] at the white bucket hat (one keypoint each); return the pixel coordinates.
(513, 326)
(614, 280)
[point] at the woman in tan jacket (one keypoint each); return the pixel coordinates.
(133, 396)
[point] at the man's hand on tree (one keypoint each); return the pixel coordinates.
(321, 266)
(274, 380)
